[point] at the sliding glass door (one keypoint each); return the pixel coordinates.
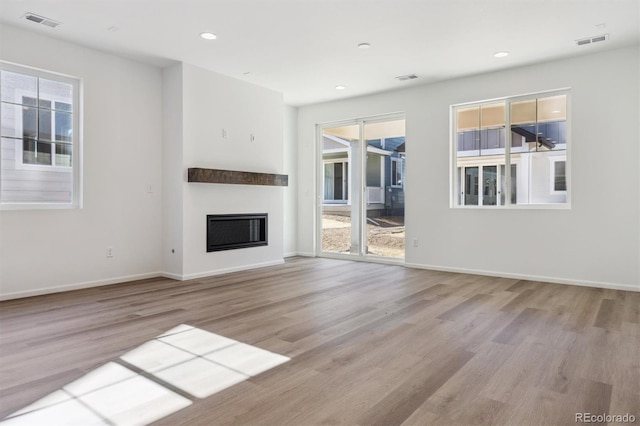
(362, 175)
(340, 204)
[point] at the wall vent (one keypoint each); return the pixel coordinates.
(41, 20)
(406, 77)
(594, 39)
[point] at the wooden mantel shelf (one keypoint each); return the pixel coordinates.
(234, 177)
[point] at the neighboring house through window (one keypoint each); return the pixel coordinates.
(524, 165)
(39, 133)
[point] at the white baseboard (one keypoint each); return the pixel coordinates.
(122, 279)
(305, 254)
(221, 271)
(171, 275)
(78, 286)
(298, 253)
(554, 280)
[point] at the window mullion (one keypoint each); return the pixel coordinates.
(462, 185)
(37, 136)
(480, 185)
(507, 153)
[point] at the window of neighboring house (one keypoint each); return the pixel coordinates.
(396, 172)
(39, 138)
(336, 181)
(523, 166)
(559, 175)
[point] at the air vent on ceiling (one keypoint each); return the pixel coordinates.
(594, 39)
(407, 77)
(41, 20)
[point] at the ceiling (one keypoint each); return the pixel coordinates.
(305, 48)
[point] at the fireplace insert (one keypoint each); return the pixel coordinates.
(235, 231)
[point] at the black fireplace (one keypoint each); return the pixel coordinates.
(234, 231)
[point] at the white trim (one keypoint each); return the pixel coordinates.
(546, 279)
(38, 206)
(335, 151)
(298, 254)
(398, 115)
(371, 149)
(79, 286)
(375, 150)
(227, 270)
(519, 97)
(306, 254)
(171, 276)
(557, 206)
(368, 258)
(136, 277)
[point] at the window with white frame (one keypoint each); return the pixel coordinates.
(558, 175)
(397, 172)
(511, 151)
(336, 181)
(39, 138)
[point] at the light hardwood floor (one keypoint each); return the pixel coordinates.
(369, 344)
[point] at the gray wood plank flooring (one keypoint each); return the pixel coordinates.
(369, 344)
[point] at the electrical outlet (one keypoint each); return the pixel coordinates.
(109, 251)
(224, 133)
(415, 242)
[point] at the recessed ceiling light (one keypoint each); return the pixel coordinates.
(341, 87)
(208, 36)
(364, 46)
(501, 54)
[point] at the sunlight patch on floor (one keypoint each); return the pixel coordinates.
(197, 362)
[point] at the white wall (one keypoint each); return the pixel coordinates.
(596, 242)
(143, 127)
(212, 102)
(172, 171)
(291, 192)
(45, 250)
